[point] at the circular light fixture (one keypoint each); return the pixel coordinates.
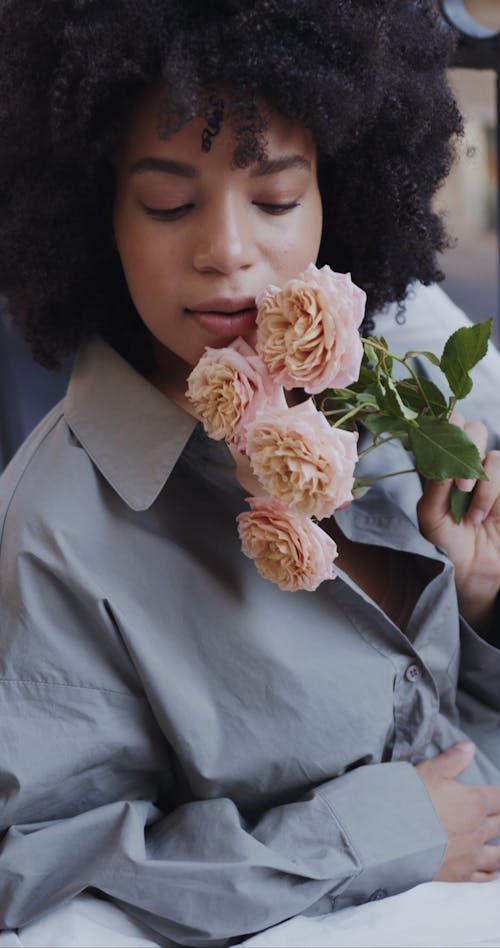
(458, 15)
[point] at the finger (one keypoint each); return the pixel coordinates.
(456, 418)
(489, 859)
(491, 799)
(478, 433)
(484, 876)
(434, 505)
(451, 762)
(492, 828)
(485, 503)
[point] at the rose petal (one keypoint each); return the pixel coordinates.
(301, 460)
(307, 331)
(228, 387)
(286, 547)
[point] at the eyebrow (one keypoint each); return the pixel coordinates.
(165, 165)
(275, 165)
(265, 167)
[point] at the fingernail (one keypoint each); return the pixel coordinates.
(477, 516)
(467, 485)
(464, 747)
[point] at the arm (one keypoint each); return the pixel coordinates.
(78, 779)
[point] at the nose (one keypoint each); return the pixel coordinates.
(225, 238)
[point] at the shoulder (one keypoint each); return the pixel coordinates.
(47, 483)
(56, 626)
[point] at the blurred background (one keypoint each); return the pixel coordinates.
(469, 197)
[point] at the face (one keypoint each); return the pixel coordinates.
(198, 239)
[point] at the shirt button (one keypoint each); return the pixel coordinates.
(413, 673)
(378, 894)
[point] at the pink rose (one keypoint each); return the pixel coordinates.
(228, 387)
(287, 548)
(307, 331)
(301, 460)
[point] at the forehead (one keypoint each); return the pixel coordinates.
(145, 135)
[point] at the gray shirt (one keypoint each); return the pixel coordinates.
(213, 753)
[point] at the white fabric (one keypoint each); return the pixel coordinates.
(85, 922)
(432, 915)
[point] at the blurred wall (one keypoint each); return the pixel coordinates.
(27, 391)
(469, 197)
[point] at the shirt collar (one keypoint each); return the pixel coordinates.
(133, 433)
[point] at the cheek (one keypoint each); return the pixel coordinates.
(300, 245)
(143, 281)
(314, 225)
(142, 258)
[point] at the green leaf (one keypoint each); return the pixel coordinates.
(443, 450)
(386, 424)
(366, 377)
(371, 353)
(331, 399)
(358, 492)
(413, 397)
(462, 351)
(367, 399)
(366, 382)
(431, 356)
(391, 403)
(387, 359)
(346, 398)
(459, 502)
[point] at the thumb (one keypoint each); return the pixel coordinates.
(434, 505)
(451, 762)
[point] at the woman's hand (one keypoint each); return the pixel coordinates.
(474, 544)
(470, 817)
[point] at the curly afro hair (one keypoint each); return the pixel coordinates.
(367, 77)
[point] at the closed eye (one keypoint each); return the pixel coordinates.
(174, 213)
(166, 213)
(277, 208)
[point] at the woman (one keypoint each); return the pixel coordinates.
(211, 753)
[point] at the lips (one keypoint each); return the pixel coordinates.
(225, 316)
(224, 305)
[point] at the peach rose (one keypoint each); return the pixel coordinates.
(287, 548)
(307, 331)
(301, 460)
(227, 388)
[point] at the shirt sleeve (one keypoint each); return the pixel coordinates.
(81, 791)
(478, 695)
(480, 663)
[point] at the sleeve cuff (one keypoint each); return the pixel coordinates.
(389, 818)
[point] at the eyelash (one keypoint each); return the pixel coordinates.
(172, 214)
(278, 208)
(175, 213)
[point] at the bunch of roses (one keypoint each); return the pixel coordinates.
(307, 338)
